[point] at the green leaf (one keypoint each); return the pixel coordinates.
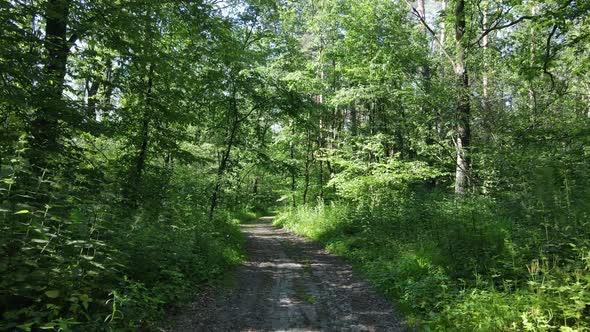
(25, 326)
(48, 326)
(100, 266)
(22, 212)
(52, 294)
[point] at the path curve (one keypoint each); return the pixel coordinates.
(290, 284)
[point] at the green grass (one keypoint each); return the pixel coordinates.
(454, 266)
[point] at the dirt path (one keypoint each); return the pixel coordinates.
(290, 284)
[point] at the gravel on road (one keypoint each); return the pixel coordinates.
(289, 283)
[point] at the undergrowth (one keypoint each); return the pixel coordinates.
(79, 260)
(456, 264)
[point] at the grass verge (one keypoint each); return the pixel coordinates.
(455, 266)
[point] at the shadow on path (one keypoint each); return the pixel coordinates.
(291, 284)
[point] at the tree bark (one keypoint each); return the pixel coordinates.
(44, 129)
(463, 112)
(226, 154)
(443, 37)
(92, 89)
(136, 173)
(354, 121)
(321, 154)
(425, 67)
(293, 171)
(487, 117)
(308, 161)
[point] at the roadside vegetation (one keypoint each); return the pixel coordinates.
(466, 265)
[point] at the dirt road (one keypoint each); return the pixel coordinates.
(290, 284)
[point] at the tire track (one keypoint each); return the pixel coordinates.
(290, 284)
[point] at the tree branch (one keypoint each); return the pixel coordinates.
(496, 26)
(72, 40)
(548, 56)
(247, 115)
(425, 24)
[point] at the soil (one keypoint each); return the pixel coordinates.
(290, 284)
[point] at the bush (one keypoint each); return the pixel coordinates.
(79, 259)
(453, 264)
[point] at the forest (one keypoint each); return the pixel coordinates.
(442, 147)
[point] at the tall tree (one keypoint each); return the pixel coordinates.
(45, 133)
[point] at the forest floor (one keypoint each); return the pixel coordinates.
(289, 284)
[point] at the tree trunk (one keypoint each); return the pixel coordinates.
(426, 66)
(321, 154)
(463, 113)
(442, 37)
(92, 90)
(354, 125)
(226, 154)
(255, 185)
(44, 127)
(136, 173)
(422, 9)
(485, 79)
(308, 161)
(108, 87)
(293, 171)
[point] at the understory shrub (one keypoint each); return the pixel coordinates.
(455, 264)
(80, 260)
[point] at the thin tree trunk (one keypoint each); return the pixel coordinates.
(321, 154)
(425, 67)
(92, 89)
(142, 155)
(221, 170)
(135, 176)
(108, 89)
(443, 37)
(462, 172)
(293, 171)
(226, 154)
(354, 121)
(422, 9)
(485, 79)
(321, 179)
(255, 185)
(307, 166)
